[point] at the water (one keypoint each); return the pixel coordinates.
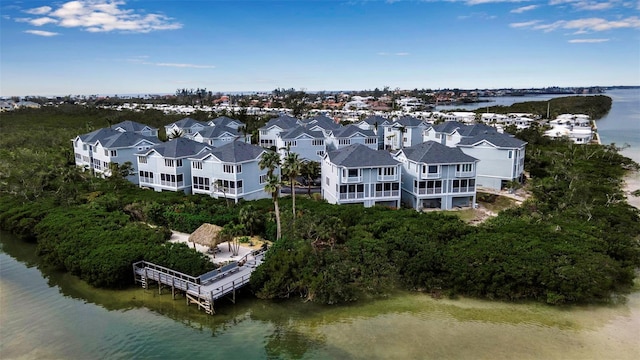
(45, 314)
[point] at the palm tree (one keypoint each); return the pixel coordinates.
(271, 160)
(273, 187)
(310, 170)
(291, 168)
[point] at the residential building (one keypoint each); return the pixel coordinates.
(451, 132)
(377, 124)
(187, 127)
(270, 131)
(166, 166)
(576, 128)
(84, 146)
(350, 135)
(226, 121)
(231, 171)
(358, 174)
(308, 144)
(501, 158)
(218, 135)
(119, 149)
(435, 176)
(321, 123)
(404, 132)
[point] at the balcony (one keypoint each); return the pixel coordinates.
(465, 174)
(387, 193)
(352, 179)
(352, 196)
(173, 184)
(430, 176)
(387, 177)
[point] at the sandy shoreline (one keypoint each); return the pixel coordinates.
(631, 184)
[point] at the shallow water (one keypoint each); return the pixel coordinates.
(44, 314)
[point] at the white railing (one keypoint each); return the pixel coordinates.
(388, 193)
(349, 196)
(352, 179)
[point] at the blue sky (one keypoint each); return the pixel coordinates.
(142, 47)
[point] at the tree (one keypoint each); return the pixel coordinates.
(310, 170)
(291, 169)
(176, 134)
(270, 160)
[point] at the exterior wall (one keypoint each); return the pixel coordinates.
(439, 191)
(83, 152)
(363, 189)
(496, 164)
(269, 136)
(213, 170)
(394, 139)
(304, 147)
(156, 165)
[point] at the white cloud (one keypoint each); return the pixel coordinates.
(587, 5)
(589, 41)
(524, 24)
(41, 33)
(39, 10)
(101, 16)
(402, 54)
(522, 9)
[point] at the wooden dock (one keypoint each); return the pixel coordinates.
(204, 289)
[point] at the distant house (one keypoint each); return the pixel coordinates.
(435, 176)
(576, 128)
(135, 127)
(217, 135)
(187, 127)
(320, 123)
(231, 171)
(308, 144)
(501, 158)
(226, 121)
(404, 132)
(269, 133)
(376, 124)
(357, 174)
(84, 147)
(451, 132)
(350, 135)
(166, 166)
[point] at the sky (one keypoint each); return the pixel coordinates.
(90, 47)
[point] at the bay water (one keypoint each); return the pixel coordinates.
(46, 314)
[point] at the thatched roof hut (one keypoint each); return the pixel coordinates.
(206, 235)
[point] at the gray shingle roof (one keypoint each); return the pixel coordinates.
(432, 152)
(213, 132)
(282, 121)
(225, 121)
(497, 139)
(234, 152)
(322, 121)
(100, 134)
(178, 148)
(464, 130)
(188, 122)
(131, 126)
(350, 130)
(297, 131)
(126, 139)
(359, 155)
(448, 127)
(408, 121)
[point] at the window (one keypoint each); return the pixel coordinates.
(169, 163)
(142, 159)
(146, 177)
(201, 183)
(105, 164)
(106, 152)
(263, 132)
(433, 169)
(370, 140)
(326, 180)
(197, 165)
(510, 154)
(179, 162)
(320, 152)
(290, 143)
(78, 156)
(463, 167)
(263, 179)
(317, 142)
(353, 173)
(227, 169)
(387, 171)
(114, 153)
(344, 141)
(238, 169)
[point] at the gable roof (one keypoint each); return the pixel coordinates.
(212, 132)
(359, 155)
(408, 121)
(322, 121)
(496, 139)
(372, 120)
(187, 123)
(177, 148)
(126, 139)
(225, 121)
(97, 135)
(234, 152)
(448, 127)
(131, 126)
(350, 130)
(283, 122)
(300, 130)
(431, 152)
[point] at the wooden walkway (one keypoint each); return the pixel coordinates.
(204, 289)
